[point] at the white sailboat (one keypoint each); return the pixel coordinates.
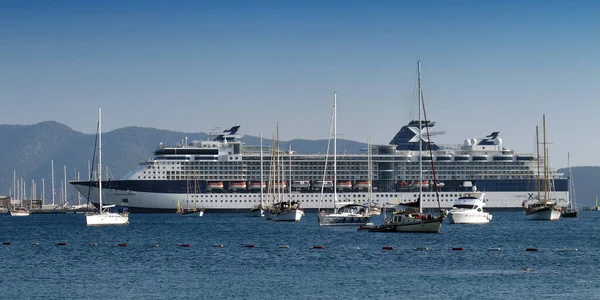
(259, 210)
(542, 208)
(104, 216)
(345, 213)
(20, 211)
(408, 220)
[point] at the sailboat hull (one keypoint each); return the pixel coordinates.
(106, 219)
(19, 213)
(433, 226)
(293, 215)
(547, 214)
(257, 212)
(342, 220)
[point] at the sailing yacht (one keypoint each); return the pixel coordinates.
(286, 211)
(593, 208)
(542, 208)
(259, 210)
(571, 210)
(408, 220)
(190, 211)
(104, 216)
(347, 213)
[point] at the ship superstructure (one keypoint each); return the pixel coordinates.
(224, 174)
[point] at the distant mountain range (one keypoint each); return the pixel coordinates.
(29, 150)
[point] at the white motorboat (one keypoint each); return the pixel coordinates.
(348, 213)
(468, 209)
(287, 212)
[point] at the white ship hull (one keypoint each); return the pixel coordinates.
(293, 215)
(98, 219)
(467, 217)
(550, 214)
(157, 202)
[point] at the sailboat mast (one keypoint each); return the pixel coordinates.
(52, 173)
(100, 158)
(571, 197)
(334, 149)
(420, 141)
(369, 170)
(545, 160)
(290, 176)
(261, 169)
(537, 149)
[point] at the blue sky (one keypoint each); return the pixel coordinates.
(193, 65)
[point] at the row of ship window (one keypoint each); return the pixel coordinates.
(311, 200)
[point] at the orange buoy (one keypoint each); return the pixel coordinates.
(318, 247)
(458, 248)
(61, 244)
(185, 245)
(122, 245)
(250, 246)
(387, 248)
(531, 249)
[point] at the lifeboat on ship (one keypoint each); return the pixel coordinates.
(301, 184)
(255, 185)
(344, 184)
(239, 185)
(215, 185)
(424, 183)
(403, 184)
(321, 183)
(362, 185)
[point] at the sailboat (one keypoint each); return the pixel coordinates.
(542, 208)
(259, 210)
(372, 207)
(409, 220)
(20, 211)
(288, 211)
(571, 210)
(104, 216)
(345, 213)
(190, 211)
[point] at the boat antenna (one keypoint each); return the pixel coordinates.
(261, 170)
(420, 140)
(334, 150)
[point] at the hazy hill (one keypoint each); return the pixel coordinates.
(28, 150)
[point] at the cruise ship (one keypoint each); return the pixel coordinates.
(223, 174)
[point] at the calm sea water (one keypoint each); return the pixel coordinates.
(169, 271)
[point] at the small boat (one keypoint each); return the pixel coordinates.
(189, 211)
(423, 183)
(571, 210)
(287, 211)
(255, 185)
(301, 184)
(238, 185)
(366, 226)
(348, 213)
(323, 183)
(344, 184)
(215, 185)
(468, 209)
(20, 212)
(361, 185)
